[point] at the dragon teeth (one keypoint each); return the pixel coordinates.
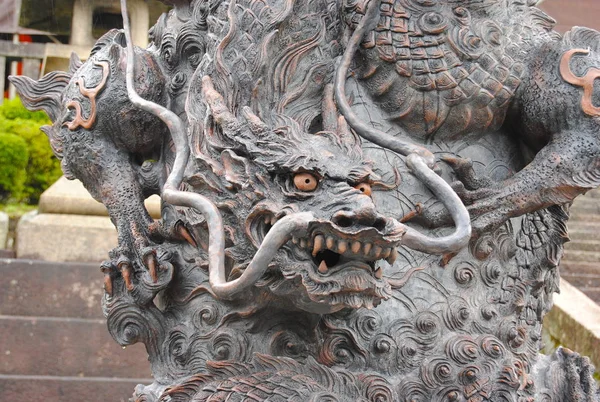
(386, 253)
(379, 273)
(392, 258)
(330, 242)
(377, 252)
(318, 244)
(321, 242)
(323, 267)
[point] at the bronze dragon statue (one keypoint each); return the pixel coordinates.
(313, 158)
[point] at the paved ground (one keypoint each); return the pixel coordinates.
(581, 263)
(54, 345)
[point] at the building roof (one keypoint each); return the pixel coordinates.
(9, 19)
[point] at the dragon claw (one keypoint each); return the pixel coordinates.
(126, 273)
(182, 231)
(465, 172)
(151, 264)
(411, 214)
(107, 268)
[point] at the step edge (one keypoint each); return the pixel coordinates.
(20, 377)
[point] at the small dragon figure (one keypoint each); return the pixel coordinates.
(453, 71)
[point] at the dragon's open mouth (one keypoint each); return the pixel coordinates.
(333, 249)
(331, 252)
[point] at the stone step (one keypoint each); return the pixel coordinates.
(583, 245)
(67, 389)
(37, 288)
(577, 217)
(66, 347)
(582, 281)
(586, 205)
(595, 193)
(70, 197)
(7, 253)
(585, 234)
(576, 268)
(60, 238)
(581, 256)
(592, 293)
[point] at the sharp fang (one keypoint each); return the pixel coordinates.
(273, 220)
(330, 242)
(393, 255)
(356, 247)
(318, 244)
(342, 246)
(323, 267)
(267, 219)
(303, 243)
(379, 273)
(294, 240)
(367, 248)
(377, 252)
(386, 253)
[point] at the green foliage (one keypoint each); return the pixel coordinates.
(13, 109)
(13, 162)
(42, 167)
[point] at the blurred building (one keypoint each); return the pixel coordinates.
(569, 13)
(37, 36)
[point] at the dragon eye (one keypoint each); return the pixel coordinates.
(364, 188)
(305, 182)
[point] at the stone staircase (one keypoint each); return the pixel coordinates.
(54, 345)
(581, 263)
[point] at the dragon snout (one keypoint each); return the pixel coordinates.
(366, 217)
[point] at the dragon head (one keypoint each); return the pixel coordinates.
(260, 175)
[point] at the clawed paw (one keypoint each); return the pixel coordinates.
(176, 231)
(144, 276)
(488, 202)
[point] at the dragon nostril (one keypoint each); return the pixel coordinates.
(343, 219)
(380, 224)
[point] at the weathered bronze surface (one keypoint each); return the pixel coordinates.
(363, 200)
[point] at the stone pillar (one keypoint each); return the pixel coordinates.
(139, 14)
(2, 74)
(81, 25)
(14, 70)
(31, 68)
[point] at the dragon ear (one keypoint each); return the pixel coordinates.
(75, 63)
(585, 38)
(236, 169)
(45, 94)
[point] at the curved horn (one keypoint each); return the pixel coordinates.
(279, 234)
(378, 137)
(419, 159)
(442, 190)
(586, 82)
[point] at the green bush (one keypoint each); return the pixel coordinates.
(42, 168)
(13, 163)
(13, 109)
